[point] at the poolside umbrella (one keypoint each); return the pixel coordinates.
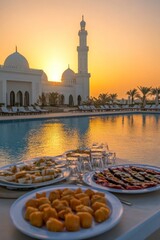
(156, 98)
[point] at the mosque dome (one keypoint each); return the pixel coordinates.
(68, 75)
(16, 61)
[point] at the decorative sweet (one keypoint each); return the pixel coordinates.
(127, 177)
(41, 170)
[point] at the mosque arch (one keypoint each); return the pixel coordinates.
(26, 98)
(61, 100)
(79, 99)
(12, 98)
(20, 98)
(71, 102)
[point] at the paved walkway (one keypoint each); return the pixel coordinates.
(69, 114)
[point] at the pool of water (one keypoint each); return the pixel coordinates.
(135, 137)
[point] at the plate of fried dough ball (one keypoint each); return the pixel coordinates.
(65, 212)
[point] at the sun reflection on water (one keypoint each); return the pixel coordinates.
(134, 137)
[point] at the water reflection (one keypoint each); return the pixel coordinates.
(134, 137)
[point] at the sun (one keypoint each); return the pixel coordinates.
(54, 71)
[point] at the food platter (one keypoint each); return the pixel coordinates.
(33, 173)
(18, 208)
(143, 185)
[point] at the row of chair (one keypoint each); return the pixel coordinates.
(22, 110)
(136, 107)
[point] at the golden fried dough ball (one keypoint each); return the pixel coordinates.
(54, 225)
(80, 195)
(67, 191)
(85, 201)
(82, 208)
(62, 213)
(97, 198)
(43, 206)
(72, 222)
(60, 207)
(43, 200)
(60, 204)
(74, 202)
(65, 203)
(97, 205)
(89, 192)
(78, 190)
(99, 194)
(85, 219)
(40, 195)
(101, 214)
(32, 203)
(67, 197)
(28, 212)
(36, 219)
(54, 195)
(55, 202)
(49, 212)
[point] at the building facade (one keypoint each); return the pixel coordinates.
(22, 85)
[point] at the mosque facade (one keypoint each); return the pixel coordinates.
(22, 85)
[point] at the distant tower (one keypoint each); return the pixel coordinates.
(83, 75)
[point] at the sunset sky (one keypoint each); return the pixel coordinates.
(123, 39)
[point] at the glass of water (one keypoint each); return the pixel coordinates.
(74, 166)
(97, 161)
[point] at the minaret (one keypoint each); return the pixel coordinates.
(83, 75)
(82, 48)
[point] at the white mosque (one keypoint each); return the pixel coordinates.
(22, 85)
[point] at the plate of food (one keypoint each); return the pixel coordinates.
(65, 212)
(34, 173)
(126, 178)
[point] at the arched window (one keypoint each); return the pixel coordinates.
(71, 102)
(61, 100)
(20, 98)
(26, 98)
(79, 99)
(12, 98)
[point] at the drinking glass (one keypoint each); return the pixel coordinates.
(85, 163)
(74, 165)
(97, 161)
(111, 158)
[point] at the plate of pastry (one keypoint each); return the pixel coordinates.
(33, 173)
(126, 178)
(65, 212)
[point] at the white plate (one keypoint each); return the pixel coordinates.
(17, 212)
(88, 179)
(65, 174)
(11, 185)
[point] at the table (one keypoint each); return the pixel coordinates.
(138, 221)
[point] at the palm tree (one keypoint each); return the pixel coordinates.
(42, 100)
(103, 98)
(113, 97)
(155, 91)
(133, 93)
(90, 101)
(53, 98)
(146, 91)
